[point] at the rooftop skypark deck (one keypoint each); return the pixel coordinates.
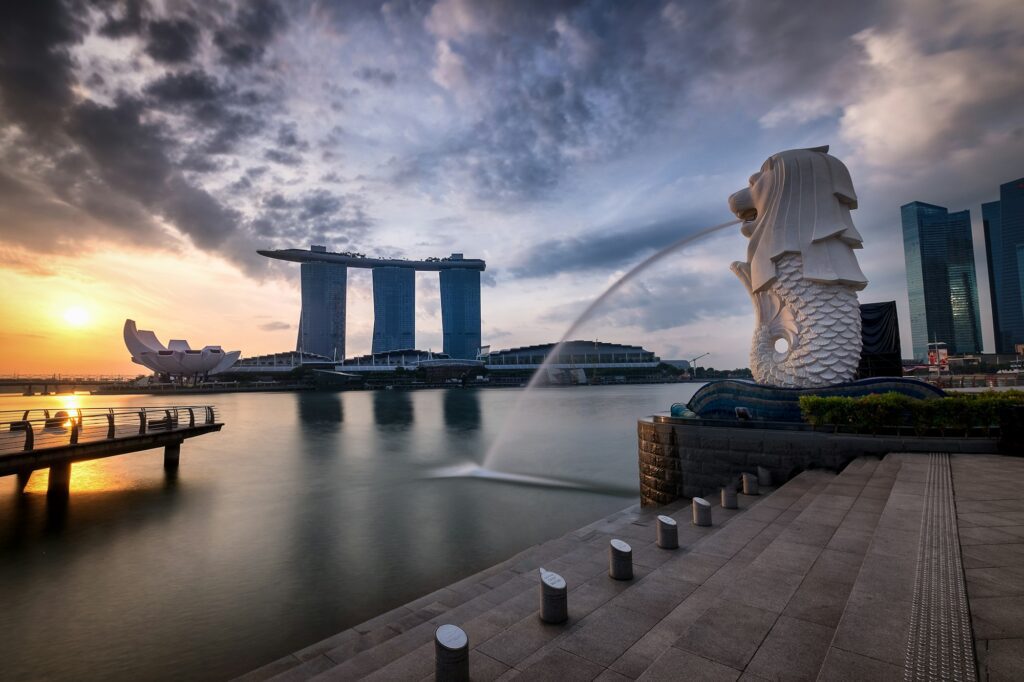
(358, 260)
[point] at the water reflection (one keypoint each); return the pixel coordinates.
(96, 475)
(462, 409)
(98, 516)
(392, 408)
(306, 515)
(320, 409)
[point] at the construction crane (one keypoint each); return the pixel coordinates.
(693, 364)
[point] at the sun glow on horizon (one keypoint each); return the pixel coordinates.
(77, 316)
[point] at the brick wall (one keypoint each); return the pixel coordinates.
(691, 459)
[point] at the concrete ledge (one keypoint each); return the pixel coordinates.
(691, 458)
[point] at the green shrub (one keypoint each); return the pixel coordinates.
(872, 413)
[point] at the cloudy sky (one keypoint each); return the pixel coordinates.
(147, 149)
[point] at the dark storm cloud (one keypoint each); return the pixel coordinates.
(172, 41)
(242, 40)
(113, 169)
(605, 250)
(559, 85)
(132, 156)
(372, 74)
(314, 215)
(223, 113)
(123, 19)
(282, 157)
(187, 88)
(288, 137)
(35, 65)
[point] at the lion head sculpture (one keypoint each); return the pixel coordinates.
(800, 202)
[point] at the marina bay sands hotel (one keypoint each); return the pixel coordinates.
(324, 287)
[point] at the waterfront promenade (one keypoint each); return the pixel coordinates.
(33, 439)
(848, 576)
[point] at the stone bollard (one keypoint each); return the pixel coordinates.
(451, 654)
(554, 597)
(668, 533)
(750, 486)
(729, 497)
(701, 512)
(620, 560)
(764, 477)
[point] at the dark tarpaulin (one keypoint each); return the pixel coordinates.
(880, 330)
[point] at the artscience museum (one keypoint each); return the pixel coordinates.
(176, 358)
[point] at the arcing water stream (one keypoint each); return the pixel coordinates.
(487, 469)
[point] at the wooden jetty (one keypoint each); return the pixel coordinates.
(55, 439)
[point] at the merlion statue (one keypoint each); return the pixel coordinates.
(801, 271)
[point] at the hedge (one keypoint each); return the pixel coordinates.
(886, 411)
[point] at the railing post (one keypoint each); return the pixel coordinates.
(110, 424)
(209, 414)
(191, 417)
(142, 421)
(29, 436)
(74, 431)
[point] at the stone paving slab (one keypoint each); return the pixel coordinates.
(990, 506)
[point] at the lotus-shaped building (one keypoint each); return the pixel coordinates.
(177, 357)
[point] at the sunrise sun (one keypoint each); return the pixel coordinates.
(76, 316)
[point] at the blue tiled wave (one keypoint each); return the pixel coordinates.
(719, 400)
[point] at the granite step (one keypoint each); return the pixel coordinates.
(492, 601)
(606, 616)
(776, 614)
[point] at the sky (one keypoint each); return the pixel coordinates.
(148, 149)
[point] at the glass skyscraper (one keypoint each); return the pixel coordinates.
(1004, 251)
(322, 321)
(460, 312)
(394, 309)
(941, 279)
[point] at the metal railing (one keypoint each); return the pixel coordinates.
(36, 429)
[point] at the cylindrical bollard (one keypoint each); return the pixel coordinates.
(701, 512)
(750, 486)
(620, 560)
(451, 654)
(554, 598)
(764, 477)
(668, 533)
(729, 497)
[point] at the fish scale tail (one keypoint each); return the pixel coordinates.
(825, 325)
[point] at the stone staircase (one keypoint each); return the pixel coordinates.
(818, 579)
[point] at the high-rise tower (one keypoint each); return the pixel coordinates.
(322, 320)
(941, 280)
(1004, 252)
(460, 311)
(394, 309)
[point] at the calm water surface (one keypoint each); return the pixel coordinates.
(308, 513)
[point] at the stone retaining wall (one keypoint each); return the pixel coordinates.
(690, 458)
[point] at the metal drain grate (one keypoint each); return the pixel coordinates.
(940, 644)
